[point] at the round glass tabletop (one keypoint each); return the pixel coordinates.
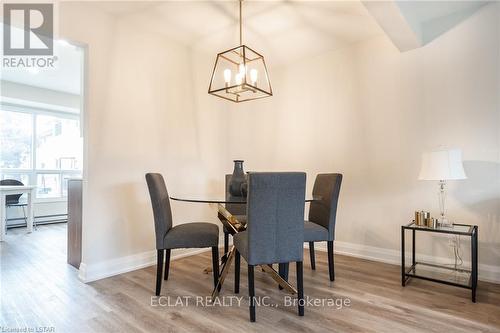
(221, 200)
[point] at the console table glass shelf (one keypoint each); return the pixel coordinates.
(446, 274)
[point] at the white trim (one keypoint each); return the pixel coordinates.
(16, 103)
(486, 273)
(89, 273)
(93, 272)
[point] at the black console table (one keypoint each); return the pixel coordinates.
(440, 273)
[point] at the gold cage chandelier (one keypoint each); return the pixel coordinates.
(240, 74)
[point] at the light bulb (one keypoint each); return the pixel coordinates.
(253, 76)
(242, 69)
(227, 75)
(238, 78)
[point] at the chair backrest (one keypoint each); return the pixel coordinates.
(161, 206)
(275, 213)
(234, 209)
(12, 199)
(324, 211)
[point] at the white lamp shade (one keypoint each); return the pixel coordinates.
(442, 165)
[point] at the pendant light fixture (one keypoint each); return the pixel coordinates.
(240, 73)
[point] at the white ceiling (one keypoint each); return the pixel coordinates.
(423, 11)
(283, 31)
(413, 24)
(431, 19)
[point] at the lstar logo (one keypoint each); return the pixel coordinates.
(35, 33)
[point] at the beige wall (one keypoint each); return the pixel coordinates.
(319, 129)
(443, 94)
(367, 111)
(143, 115)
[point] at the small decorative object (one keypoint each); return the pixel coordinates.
(244, 189)
(240, 74)
(442, 165)
(238, 182)
(423, 218)
(429, 220)
(417, 218)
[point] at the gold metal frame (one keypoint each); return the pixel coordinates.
(225, 92)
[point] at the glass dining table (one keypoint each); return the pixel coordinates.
(233, 226)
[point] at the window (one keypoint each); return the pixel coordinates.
(40, 147)
(16, 132)
(56, 139)
(48, 185)
(22, 177)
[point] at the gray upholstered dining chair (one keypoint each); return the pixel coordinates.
(275, 227)
(189, 235)
(239, 211)
(320, 225)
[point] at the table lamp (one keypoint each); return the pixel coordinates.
(442, 165)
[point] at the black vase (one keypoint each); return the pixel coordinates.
(237, 184)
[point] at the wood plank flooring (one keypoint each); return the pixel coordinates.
(39, 290)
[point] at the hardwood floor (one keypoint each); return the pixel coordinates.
(38, 289)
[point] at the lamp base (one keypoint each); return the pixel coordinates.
(444, 222)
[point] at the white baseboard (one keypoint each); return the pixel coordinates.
(93, 272)
(486, 273)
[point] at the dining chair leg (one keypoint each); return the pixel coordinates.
(167, 263)
(300, 287)
(226, 242)
(237, 259)
(251, 292)
(283, 272)
(331, 263)
(311, 255)
(26, 218)
(159, 270)
(215, 264)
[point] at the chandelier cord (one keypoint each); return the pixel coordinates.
(241, 23)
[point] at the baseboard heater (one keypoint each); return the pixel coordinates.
(19, 222)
